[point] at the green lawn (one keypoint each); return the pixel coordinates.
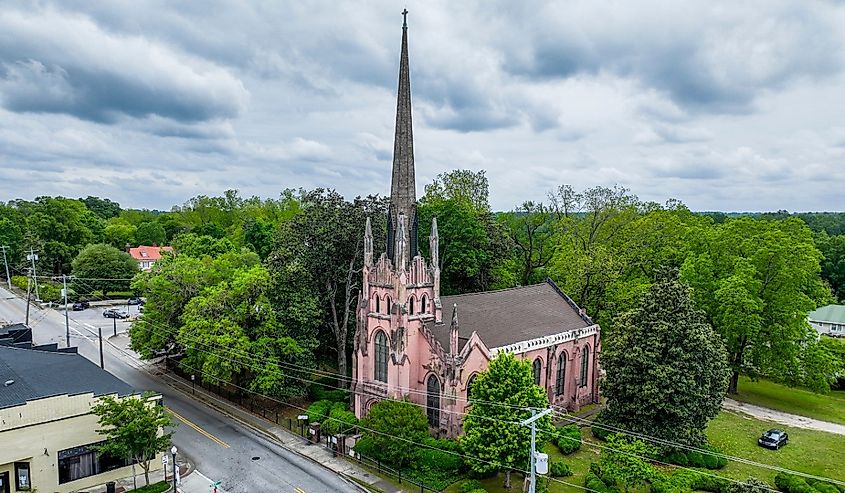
(830, 407)
(812, 452)
(808, 451)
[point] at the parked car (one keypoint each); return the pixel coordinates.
(80, 305)
(773, 439)
(112, 313)
(134, 301)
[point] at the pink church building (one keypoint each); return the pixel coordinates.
(405, 349)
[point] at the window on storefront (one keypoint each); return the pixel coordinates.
(83, 461)
(22, 480)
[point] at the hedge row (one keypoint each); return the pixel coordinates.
(46, 290)
(789, 483)
(705, 460)
(684, 481)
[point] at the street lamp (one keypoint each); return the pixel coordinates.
(173, 451)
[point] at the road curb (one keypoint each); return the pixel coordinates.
(209, 401)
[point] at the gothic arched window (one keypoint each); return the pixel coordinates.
(424, 304)
(585, 363)
(561, 374)
(470, 382)
(536, 367)
(387, 304)
(378, 304)
(381, 357)
(432, 403)
(411, 305)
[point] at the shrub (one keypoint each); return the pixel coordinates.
(684, 481)
(593, 483)
(696, 459)
(470, 486)
(676, 457)
(478, 490)
(600, 433)
(318, 411)
(440, 454)
(789, 483)
(568, 439)
(367, 447)
(559, 469)
(339, 421)
(395, 426)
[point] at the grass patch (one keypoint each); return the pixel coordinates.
(808, 451)
(154, 488)
(830, 407)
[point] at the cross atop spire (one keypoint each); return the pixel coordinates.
(403, 193)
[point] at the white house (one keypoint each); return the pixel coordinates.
(829, 320)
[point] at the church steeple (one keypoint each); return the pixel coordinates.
(403, 194)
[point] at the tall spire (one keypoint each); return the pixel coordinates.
(403, 194)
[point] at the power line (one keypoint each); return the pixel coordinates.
(251, 359)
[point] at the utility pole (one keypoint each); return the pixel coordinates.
(539, 462)
(6, 263)
(67, 324)
(33, 257)
(28, 295)
(101, 347)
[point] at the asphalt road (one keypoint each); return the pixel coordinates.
(221, 448)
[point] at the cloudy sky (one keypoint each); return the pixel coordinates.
(723, 105)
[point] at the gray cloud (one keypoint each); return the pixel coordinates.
(60, 62)
(724, 106)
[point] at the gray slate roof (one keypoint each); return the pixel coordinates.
(38, 374)
(509, 316)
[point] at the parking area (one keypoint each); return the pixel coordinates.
(94, 316)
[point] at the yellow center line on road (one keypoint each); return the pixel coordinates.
(199, 429)
(298, 490)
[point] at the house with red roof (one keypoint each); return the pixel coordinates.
(146, 256)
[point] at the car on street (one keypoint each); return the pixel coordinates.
(112, 313)
(773, 438)
(135, 300)
(80, 305)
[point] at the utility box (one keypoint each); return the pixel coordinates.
(314, 432)
(541, 463)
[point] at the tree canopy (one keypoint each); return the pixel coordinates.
(502, 395)
(104, 268)
(667, 369)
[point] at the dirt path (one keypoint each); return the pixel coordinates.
(783, 418)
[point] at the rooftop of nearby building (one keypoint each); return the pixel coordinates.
(143, 252)
(509, 316)
(830, 313)
(30, 374)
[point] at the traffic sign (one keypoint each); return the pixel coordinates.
(164, 459)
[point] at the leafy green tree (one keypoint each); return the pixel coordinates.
(150, 233)
(324, 244)
(833, 264)
(531, 229)
(169, 287)
(502, 395)
(59, 228)
(626, 462)
(750, 485)
(119, 233)
(472, 244)
(667, 369)
(462, 185)
(756, 281)
(134, 428)
(104, 268)
(198, 246)
(103, 208)
(388, 419)
(232, 333)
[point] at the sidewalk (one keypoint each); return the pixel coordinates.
(356, 476)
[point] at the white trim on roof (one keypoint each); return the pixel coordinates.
(545, 341)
